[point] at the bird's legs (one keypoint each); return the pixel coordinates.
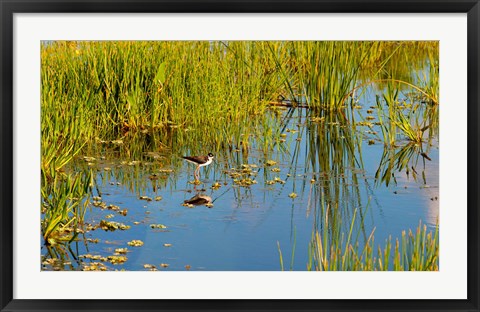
(196, 174)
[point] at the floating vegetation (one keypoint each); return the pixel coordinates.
(93, 257)
(112, 226)
(135, 243)
(94, 266)
(275, 180)
(164, 265)
(111, 207)
(119, 251)
(99, 204)
(245, 182)
(270, 163)
(150, 267)
(158, 226)
(139, 101)
(167, 245)
(117, 259)
(216, 186)
(242, 177)
(55, 262)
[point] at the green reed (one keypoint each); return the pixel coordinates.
(181, 89)
(417, 251)
(174, 98)
(330, 71)
(64, 203)
(184, 89)
(411, 118)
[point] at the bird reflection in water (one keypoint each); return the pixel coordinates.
(199, 200)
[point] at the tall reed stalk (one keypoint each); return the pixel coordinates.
(415, 251)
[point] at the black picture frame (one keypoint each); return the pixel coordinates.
(9, 7)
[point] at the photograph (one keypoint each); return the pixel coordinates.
(239, 155)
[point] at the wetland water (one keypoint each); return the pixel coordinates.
(327, 173)
(241, 230)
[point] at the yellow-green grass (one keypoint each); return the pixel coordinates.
(194, 96)
(415, 251)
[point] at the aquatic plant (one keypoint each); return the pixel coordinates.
(417, 251)
(330, 71)
(63, 205)
(148, 102)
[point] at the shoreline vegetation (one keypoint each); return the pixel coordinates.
(234, 96)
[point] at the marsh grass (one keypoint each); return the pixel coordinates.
(64, 203)
(138, 100)
(335, 251)
(179, 89)
(330, 71)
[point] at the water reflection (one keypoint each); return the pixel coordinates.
(296, 173)
(199, 200)
(339, 188)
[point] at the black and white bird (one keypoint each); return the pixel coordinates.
(199, 161)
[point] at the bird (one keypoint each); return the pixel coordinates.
(200, 161)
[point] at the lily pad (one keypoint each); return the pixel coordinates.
(150, 267)
(270, 162)
(158, 226)
(135, 243)
(94, 266)
(112, 226)
(121, 250)
(117, 259)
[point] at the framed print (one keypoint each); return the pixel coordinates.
(239, 155)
